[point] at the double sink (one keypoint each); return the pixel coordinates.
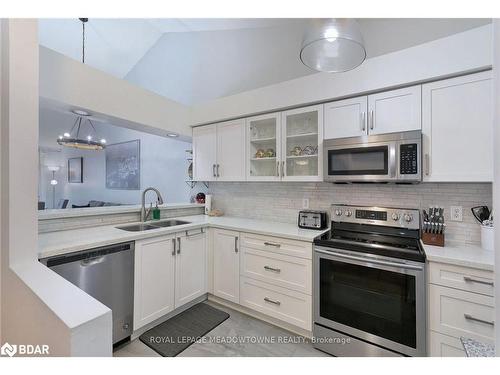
(152, 225)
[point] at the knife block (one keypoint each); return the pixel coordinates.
(433, 239)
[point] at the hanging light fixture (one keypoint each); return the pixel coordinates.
(72, 138)
(333, 45)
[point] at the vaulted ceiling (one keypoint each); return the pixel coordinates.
(197, 60)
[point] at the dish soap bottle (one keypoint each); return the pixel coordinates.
(156, 212)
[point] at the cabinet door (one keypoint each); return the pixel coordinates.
(204, 153)
(154, 279)
(226, 265)
(346, 118)
(263, 147)
(190, 267)
(231, 151)
(302, 144)
(458, 129)
(395, 111)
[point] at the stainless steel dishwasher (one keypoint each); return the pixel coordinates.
(107, 274)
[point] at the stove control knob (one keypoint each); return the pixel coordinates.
(395, 216)
(408, 218)
(338, 212)
(347, 213)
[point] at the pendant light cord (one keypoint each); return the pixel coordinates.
(84, 21)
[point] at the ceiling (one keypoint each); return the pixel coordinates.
(197, 60)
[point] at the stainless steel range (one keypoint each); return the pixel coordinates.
(369, 283)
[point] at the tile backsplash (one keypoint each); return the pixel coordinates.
(282, 201)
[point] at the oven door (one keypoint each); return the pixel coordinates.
(369, 162)
(375, 299)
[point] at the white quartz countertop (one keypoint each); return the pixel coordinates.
(461, 255)
(63, 242)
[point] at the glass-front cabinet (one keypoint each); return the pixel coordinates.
(285, 146)
(264, 147)
(302, 144)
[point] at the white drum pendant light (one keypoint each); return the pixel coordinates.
(333, 45)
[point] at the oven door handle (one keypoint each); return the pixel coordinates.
(370, 260)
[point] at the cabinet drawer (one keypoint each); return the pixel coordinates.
(464, 278)
(281, 270)
(277, 245)
(445, 346)
(280, 303)
(457, 313)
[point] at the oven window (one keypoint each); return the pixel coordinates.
(358, 161)
(375, 301)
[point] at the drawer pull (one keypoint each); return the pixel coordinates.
(272, 301)
(470, 317)
(272, 244)
(267, 268)
(472, 280)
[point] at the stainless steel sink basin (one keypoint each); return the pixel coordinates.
(168, 223)
(152, 225)
(137, 227)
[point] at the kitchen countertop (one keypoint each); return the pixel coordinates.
(63, 242)
(474, 348)
(461, 255)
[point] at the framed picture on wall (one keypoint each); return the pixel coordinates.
(75, 170)
(123, 165)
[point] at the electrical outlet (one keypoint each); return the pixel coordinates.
(456, 213)
(305, 203)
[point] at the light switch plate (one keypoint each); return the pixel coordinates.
(456, 213)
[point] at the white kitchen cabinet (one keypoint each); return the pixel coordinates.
(302, 144)
(219, 151)
(346, 118)
(154, 279)
(190, 267)
(226, 263)
(204, 153)
(445, 346)
(457, 129)
(263, 147)
(231, 151)
(395, 111)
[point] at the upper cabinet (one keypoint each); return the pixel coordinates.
(457, 129)
(395, 111)
(218, 152)
(346, 118)
(385, 112)
(264, 147)
(302, 144)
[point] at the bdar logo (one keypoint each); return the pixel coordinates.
(8, 349)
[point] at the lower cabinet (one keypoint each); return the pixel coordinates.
(170, 271)
(445, 346)
(226, 263)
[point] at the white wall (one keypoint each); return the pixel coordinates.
(68, 82)
(429, 61)
(163, 164)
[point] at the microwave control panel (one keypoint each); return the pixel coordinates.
(408, 157)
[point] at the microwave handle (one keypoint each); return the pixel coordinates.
(393, 159)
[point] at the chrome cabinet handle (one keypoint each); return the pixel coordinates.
(473, 280)
(178, 245)
(218, 174)
(283, 168)
(195, 234)
(272, 301)
(174, 247)
(363, 121)
(235, 244)
(470, 317)
(277, 169)
(267, 268)
(372, 125)
(272, 244)
(213, 170)
(426, 157)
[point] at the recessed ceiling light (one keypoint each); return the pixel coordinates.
(80, 112)
(173, 135)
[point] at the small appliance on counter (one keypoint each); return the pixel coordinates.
(433, 226)
(309, 219)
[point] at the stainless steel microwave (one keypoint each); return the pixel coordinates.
(394, 157)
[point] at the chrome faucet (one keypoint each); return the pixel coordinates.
(146, 212)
